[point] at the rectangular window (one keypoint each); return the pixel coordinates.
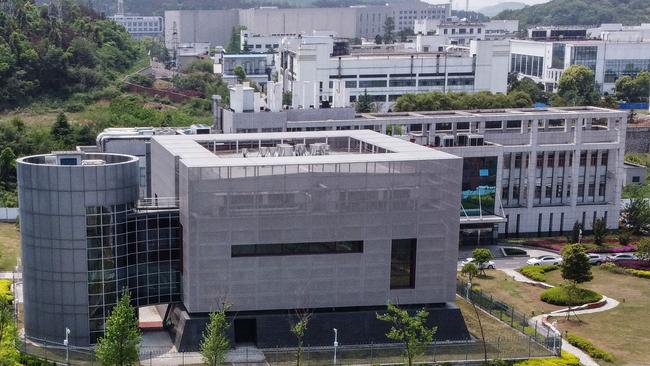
(372, 84)
(263, 250)
(513, 124)
(402, 263)
(491, 125)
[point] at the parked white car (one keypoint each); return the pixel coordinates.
(620, 257)
(595, 259)
(545, 259)
(488, 265)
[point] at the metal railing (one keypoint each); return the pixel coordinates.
(538, 333)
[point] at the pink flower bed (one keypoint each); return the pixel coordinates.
(634, 264)
(625, 249)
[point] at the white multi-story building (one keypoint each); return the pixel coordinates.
(257, 66)
(621, 33)
(314, 63)
(141, 26)
(463, 32)
(546, 61)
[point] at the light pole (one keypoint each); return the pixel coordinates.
(336, 344)
(66, 343)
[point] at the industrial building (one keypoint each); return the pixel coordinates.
(337, 222)
(215, 26)
(141, 26)
(610, 59)
(315, 65)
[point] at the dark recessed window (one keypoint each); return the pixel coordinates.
(402, 263)
(262, 250)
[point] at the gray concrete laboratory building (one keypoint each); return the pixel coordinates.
(337, 222)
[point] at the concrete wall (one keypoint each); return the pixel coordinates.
(299, 20)
(316, 209)
(213, 26)
(637, 140)
(53, 201)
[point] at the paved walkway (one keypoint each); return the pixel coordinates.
(610, 303)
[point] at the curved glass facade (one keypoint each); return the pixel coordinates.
(132, 249)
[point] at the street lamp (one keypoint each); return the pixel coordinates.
(67, 346)
(336, 343)
(579, 236)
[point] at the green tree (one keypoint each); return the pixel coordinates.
(216, 344)
(634, 89)
(239, 73)
(575, 264)
(298, 329)
(378, 39)
(410, 330)
(470, 271)
(119, 346)
(286, 98)
(61, 128)
(624, 236)
(389, 30)
(577, 86)
(574, 234)
(234, 45)
(636, 214)
(9, 355)
(599, 230)
(534, 90)
(7, 164)
(481, 257)
(364, 103)
(643, 249)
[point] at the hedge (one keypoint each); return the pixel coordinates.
(537, 272)
(559, 296)
(5, 291)
(639, 273)
(589, 348)
(567, 359)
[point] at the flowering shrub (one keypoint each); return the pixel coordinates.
(625, 249)
(634, 264)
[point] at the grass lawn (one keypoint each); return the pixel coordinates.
(523, 297)
(9, 246)
(622, 331)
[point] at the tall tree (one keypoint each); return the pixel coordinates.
(574, 234)
(389, 30)
(298, 329)
(577, 86)
(599, 230)
(378, 39)
(481, 257)
(7, 165)
(634, 89)
(364, 103)
(470, 271)
(410, 330)
(636, 214)
(215, 344)
(239, 73)
(61, 128)
(575, 264)
(121, 341)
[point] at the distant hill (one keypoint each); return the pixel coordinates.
(587, 12)
(493, 10)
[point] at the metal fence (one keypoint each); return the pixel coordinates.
(538, 333)
(56, 352)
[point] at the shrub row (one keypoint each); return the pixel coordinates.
(634, 264)
(28, 360)
(589, 348)
(567, 359)
(537, 272)
(560, 296)
(614, 268)
(5, 291)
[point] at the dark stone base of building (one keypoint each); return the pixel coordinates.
(271, 329)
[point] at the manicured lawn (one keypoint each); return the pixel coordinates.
(622, 331)
(524, 297)
(9, 246)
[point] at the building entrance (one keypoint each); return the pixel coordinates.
(245, 331)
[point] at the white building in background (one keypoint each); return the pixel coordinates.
(460, 32)
(257, 66)
(546, 61)
(367, 21)
(315, 63)
(141, 26)
(621, 33)
(501, 29)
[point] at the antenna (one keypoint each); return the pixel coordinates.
(120, 7)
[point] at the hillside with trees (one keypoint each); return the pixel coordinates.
(586, 12)
(44, 54)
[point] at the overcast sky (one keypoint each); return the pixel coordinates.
(477, 4)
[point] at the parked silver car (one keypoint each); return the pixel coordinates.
(595, 259)
(621, 257)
